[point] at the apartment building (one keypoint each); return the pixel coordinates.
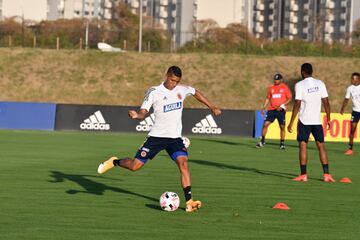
(34, 9)
(311, 20)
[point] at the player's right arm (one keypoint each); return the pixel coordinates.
(145, 107)
(296, 107)
(138, 114)
(266, 103)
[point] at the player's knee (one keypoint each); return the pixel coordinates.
(136, 165)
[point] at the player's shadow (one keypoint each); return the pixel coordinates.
(225, 142)
(90, 186)
(233, 167)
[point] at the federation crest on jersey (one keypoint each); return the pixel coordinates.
(179, 96)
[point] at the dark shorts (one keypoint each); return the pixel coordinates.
(303, 132)
(355, 116)
(153, 145)
(271, 115)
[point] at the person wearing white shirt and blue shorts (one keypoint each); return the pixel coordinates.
(353, 92)
(167, 102)
(309, 94)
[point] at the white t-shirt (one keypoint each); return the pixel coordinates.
(353, 92)
(168, 106)
(310, 91)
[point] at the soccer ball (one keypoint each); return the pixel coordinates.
(186, 142)
(169, 201)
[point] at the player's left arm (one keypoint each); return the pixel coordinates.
(201, 98)
(325, 102)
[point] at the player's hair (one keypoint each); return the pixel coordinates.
(174, 71)
(355, 74)
(307, 68)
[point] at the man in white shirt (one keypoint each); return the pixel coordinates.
(167, 101)
(309, 94)
(352, 92)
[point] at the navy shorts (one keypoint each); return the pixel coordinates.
(271, 115)
(303, 132)
(153, 145)
(355, 116)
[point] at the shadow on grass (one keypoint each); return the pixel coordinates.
(246, 169)
(90, 186)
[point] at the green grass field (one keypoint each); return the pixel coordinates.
(49, 189)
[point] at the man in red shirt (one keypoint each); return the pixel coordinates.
(278, 96)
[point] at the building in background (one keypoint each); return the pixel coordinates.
(226, 11)
(311, 20)
(176, 16)
(35, 9)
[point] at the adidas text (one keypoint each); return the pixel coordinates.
(95, 122)
(95, 126)
(208, 130)
(207, 126)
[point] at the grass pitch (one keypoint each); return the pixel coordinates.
(50, 190)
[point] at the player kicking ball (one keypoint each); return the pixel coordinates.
(352, 92)
(167, 102)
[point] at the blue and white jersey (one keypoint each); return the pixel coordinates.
(310, 91)
(168, 106)
(353, 92)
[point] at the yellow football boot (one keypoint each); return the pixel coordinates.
(107, 165)
(192, 205)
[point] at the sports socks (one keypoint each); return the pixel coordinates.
(116, 162)
(325, 168)
(303, 169)
(282, 142)
(351, 146)
(262, 139)
(187, 193)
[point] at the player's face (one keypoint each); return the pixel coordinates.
(277, 82)
(355, 80)
(171, 81)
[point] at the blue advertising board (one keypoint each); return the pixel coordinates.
(31, 116)
(259, 121)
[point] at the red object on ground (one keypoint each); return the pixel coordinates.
(281, 206)
(345, 180)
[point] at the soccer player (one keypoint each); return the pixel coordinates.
(278, 96)
(167, 101)
(309, 94)
(353, 92)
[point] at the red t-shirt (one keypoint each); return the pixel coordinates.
(277, 95)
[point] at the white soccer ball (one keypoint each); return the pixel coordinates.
(186, 142)
(169, 201)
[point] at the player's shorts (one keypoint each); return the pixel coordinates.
(271, 115)
(153, 145)
(303, 132)
(355, 116)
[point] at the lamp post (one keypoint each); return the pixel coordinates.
(140, 26)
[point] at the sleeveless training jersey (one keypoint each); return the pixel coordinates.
(168, 106)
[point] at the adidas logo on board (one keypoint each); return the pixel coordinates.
(95, 122)
(146, 124)
(207, 126)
